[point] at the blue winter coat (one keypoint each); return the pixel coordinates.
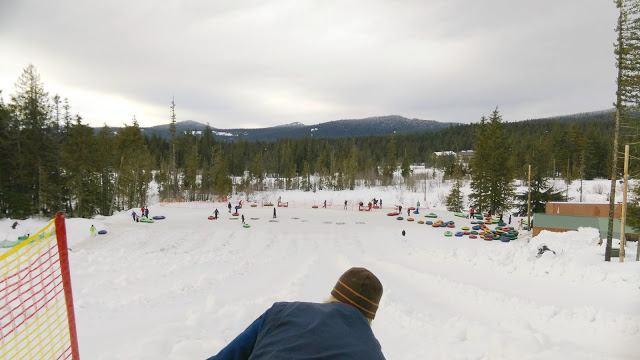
(298, 330)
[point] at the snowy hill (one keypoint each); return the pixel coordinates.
(183, 287)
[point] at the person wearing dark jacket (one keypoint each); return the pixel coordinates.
(340, 328)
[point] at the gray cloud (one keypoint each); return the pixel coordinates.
(264, 63)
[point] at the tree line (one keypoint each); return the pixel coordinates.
(53, 162)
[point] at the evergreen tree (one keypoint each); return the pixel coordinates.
(492, 167)
(390, 161)
(406, 168)
(455, 199)
(627, 51)
(541, 191)
(222, 184)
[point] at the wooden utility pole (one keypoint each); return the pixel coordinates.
(529, 202)
(623, 216)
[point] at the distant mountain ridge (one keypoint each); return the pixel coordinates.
(379, 125)
(371, 126)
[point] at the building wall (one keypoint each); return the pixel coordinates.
(582, 209)
(537, 230)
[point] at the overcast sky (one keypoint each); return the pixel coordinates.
(236, 63)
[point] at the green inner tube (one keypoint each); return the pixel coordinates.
(399, 218)
(448, 233)
(246, 225)
(146, 220)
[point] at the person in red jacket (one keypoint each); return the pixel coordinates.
(142, 211)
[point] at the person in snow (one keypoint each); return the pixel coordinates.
(229, 206)
(325, 204)
(400, 209)
(274, 213)
(134, 215)
(409, 212)
(380, 203)
(14, 225)
(215, 213)
(142, 211)
(93, 230)
(339, 328)
(345, 204)
(403, 233)
(471, 212)
(146, 212)
(242, 218)
(542, 248)
(509, 219)
(237, 207)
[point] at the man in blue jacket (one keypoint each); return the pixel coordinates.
(340, 328)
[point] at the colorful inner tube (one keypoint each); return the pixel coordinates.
(314, 207)
(246, 225)
(211, 218)
(420, 222)
(409, 219)
(431, 215)
(393, 214)
(102, 232)
(235, 214)
(448, 233)
(473, 236)
(146, 220)
(159, 217)
(465, 228)
(399, 218)
(428, 222)
(459, 234)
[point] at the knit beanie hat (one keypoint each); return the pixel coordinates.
(360, 288)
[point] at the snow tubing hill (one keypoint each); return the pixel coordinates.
(158, 217)
(102, 232)
(145, 220)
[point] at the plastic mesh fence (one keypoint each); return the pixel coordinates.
(36, 308)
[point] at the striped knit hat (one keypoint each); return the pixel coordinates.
(360, 288)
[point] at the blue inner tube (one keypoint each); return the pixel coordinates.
(102, 232)
(158, 217)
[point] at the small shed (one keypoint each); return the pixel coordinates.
(562, 223)
(582, 209)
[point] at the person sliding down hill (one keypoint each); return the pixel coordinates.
(339, 328)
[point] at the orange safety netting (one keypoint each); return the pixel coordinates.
(36, 308)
